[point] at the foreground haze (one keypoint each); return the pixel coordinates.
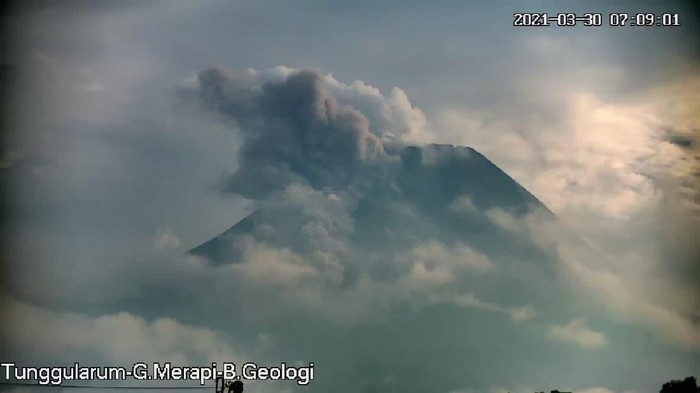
(413, 197)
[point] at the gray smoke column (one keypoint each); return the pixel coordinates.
(295, 131)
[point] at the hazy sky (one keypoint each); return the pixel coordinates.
(114, 173)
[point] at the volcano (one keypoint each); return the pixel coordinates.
(445, 185)
(437, 193)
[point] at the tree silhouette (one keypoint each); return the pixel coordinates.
(688, 385)
(235, 387)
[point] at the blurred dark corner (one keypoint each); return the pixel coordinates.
(8, 82)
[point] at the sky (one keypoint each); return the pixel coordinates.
(139, 130)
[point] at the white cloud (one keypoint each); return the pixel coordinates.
(578, 333)
(623, 301)
(267, 267)
(464, 205)
(590, 274)
(454, 258)
(503, 219)
(165, 240)
(604, 164)
(282, 281)
(593, 163)
(610, 282)
(594, 390)
(518, 314)
(390, 116)
(121, 338)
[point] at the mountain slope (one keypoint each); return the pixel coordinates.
(430, 179)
